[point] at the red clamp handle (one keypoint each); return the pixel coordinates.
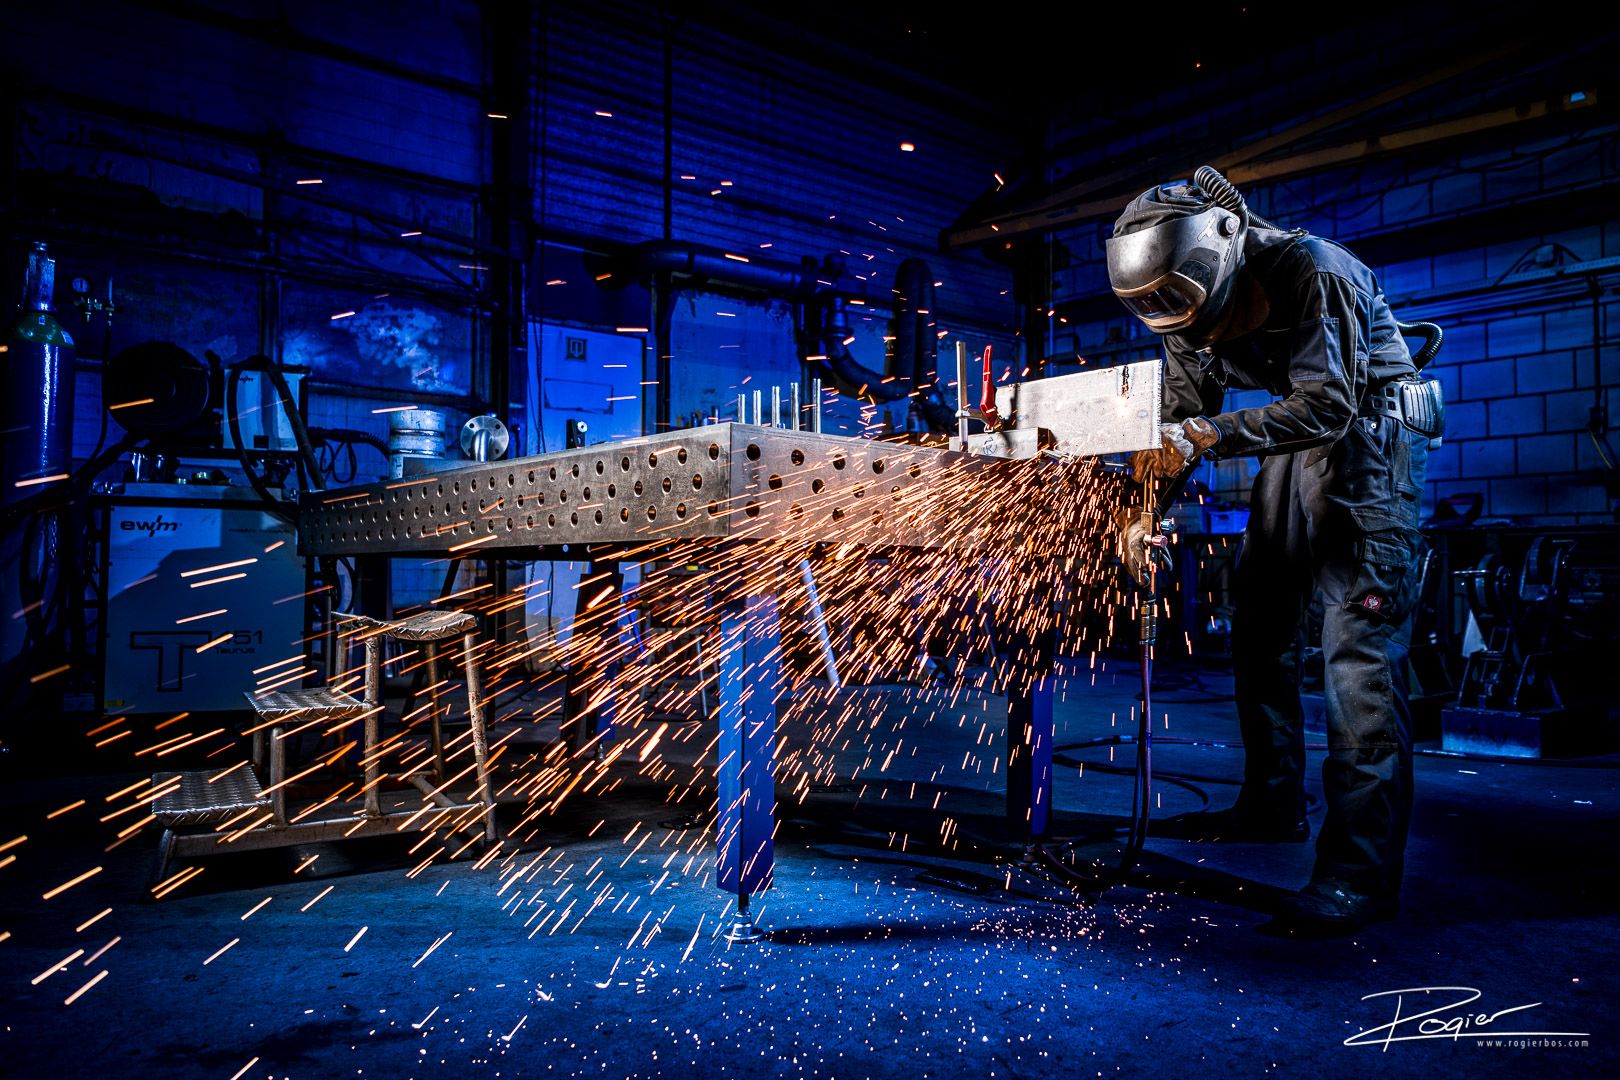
(987, 392)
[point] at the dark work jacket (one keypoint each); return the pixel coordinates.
(1329, 336)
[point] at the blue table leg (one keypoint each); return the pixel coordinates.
(1030, 677)
(750, 680)
(590, 704)
(1029, 751)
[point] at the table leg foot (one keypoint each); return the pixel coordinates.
(743, 929)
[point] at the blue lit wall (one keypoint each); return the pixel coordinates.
(169, 153)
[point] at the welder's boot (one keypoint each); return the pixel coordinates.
(1329, 907)
(1235, 825)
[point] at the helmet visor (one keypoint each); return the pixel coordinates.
(1170, 303)
(1167, 273)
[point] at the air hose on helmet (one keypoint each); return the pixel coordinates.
(1224, 193)
(1221, 191)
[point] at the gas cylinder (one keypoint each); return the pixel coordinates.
(36, 455)
(36, 395)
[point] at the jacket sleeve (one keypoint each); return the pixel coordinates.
(1188, 390)
(1327, 371)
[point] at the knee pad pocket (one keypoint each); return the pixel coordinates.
(1382, 588)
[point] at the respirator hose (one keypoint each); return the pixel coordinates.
(1432, 336)
(1223, 193)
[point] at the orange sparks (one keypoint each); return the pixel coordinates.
(66, 885)
(221, 566)
(217, 641)
(80, 992)
(41, 480)
(221, 952)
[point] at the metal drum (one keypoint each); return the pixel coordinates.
(414, 433)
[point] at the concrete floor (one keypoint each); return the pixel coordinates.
(886, 957)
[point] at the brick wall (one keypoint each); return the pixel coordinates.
(1522, 390)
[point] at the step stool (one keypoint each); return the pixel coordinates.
(430, 629)
(191, 805)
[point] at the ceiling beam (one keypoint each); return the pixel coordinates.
(1247, 170)
(1061, 207)
(1409, 139)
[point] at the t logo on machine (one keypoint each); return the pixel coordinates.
(574, 348)
(150, 528)
(170, 648)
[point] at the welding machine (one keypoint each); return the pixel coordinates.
(203, 585)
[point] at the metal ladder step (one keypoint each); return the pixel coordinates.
(320, 703)
(202, 798)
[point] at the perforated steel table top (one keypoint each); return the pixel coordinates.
(723, 481)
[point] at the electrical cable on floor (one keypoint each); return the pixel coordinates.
(1147, 640)
(1186, 782)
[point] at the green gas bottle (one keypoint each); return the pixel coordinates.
(36, 456)
(36, 397)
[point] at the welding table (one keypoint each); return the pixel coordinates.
(727, 484)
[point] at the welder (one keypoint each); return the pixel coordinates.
(1242, 304)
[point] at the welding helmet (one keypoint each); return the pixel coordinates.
(1174, 256)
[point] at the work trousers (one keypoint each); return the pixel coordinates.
(1339, 521)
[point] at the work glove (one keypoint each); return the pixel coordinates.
(1137, 547)
(1180, 446)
